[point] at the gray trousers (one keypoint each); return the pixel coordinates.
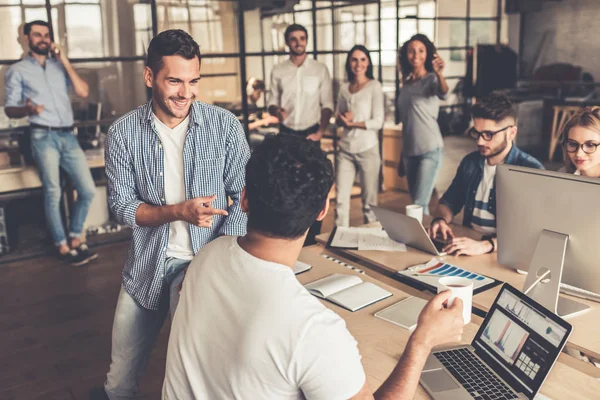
(368, 165)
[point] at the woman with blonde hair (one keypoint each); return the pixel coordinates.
(580, 140)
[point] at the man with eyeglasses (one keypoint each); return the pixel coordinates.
(494, 128)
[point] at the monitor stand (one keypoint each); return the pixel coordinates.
(545, 274)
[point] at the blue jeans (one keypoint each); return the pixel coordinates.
(52, 150)
(134, 333)
(421, 174)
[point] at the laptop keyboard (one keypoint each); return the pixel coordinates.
(474, 375)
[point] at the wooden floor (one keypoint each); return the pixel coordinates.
(56, 322)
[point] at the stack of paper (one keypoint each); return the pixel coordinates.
(364, 239)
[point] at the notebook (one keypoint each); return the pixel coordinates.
(404, 313)
(348, 291)
(301, 267)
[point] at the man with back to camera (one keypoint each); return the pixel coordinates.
(495, 128)
(171, 164)
(247, 329)
(301, 95)
(38, 87)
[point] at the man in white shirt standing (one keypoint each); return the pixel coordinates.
(301, 95)
(245, 327)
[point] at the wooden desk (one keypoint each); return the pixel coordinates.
(27, 177)
(586, 328)
(381, 343)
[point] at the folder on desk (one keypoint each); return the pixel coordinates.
(348, 291)
(425, 277)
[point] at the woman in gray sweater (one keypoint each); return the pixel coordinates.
(423, 85)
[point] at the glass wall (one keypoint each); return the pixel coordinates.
(107, 39)
(382, 26)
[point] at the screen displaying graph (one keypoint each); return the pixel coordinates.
(504, 336)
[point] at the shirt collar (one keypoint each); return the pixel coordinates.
(307, 61)
(510, 157)
(32, 59)
(195, 113)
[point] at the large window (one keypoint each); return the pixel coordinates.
(108, 39)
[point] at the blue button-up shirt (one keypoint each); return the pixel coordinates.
(463, 188)
(215, 154)
(47, 86)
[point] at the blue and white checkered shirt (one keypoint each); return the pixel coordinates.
(214, 156)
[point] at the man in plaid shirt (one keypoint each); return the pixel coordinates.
(172, 165)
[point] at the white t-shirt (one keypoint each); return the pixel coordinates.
(483, 219)
(245, 328)
(172, 141)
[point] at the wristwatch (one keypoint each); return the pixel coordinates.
(433, 221)
(491, 240)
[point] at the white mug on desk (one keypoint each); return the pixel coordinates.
(461, 288)
(415, 211)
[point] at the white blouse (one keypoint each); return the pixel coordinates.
(366, 106)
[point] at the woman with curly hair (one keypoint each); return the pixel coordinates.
(423, 85)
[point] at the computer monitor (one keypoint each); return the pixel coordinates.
(549, 221)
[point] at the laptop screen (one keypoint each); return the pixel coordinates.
(521, 340)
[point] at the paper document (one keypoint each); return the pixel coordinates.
(379, 241)
(348, 237)
(348, 291)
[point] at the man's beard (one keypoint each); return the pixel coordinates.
(295, 53)
(163, 104)
(38, 50)
(499, 149)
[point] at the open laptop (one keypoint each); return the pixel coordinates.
(407, 230)
(514, 350)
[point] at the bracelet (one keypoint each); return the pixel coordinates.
(433, 221)
(493, 245)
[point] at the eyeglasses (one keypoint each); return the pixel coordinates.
(486, 135)
(587, 147)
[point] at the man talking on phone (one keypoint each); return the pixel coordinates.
(38, 87)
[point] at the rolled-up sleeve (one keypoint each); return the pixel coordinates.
(326, 91)
(13, 96)
(375, 123)
(123, 199)
(234, 179)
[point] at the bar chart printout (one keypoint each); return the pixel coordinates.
(504, 336)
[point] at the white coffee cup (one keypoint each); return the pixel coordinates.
(415, 211)
(461, 288)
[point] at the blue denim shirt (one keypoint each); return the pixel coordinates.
(461, 192)
(47, 86)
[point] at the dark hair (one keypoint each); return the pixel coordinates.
(288, 179)
(494, 106)
(349, 72)
(258, 85)
(294, 28)
(169, 43)
(27, 27)
(405, 66)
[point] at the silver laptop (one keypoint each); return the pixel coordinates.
(510, 357)
(407, 230)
